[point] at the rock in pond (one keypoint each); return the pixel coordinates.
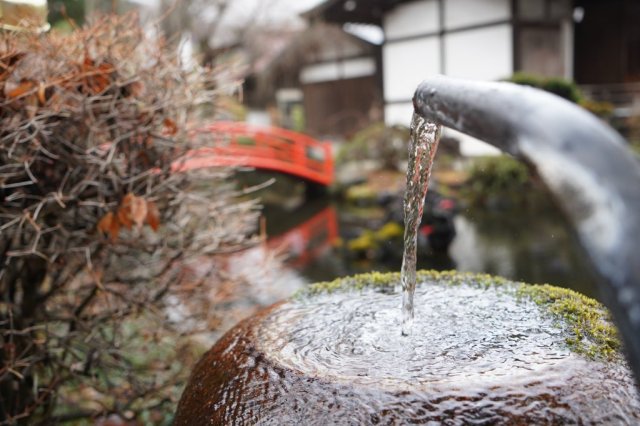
(483, 350)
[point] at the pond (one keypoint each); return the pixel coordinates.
(528, 241)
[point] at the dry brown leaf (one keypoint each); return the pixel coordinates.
(153, 216)
(87, 63)
(132, 210)
(102, 80)
(170, 127)
(114, 230)
(124, 217)
(21, 89)
(104, 225)
(109, 224)
(98, 78)
(124, 211)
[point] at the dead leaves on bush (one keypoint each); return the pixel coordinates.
(96, 78)
(88, 77)
(133, 211)
(170, 127)
(17, 90)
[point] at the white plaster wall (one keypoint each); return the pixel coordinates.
(337, 70)
(406, 64)
(358, 67)
(470, 146)
(462, 13)
(320, 72)
(399, 113)
(419, 17)
(567, 48)
(481, 54)
(288, 94)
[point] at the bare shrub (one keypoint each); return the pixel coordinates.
(94, 223)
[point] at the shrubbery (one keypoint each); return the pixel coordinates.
(565, 89)
(560, 87)
(378, 142)
(95, 222)
(496, 176)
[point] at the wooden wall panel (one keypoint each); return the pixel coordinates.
(341, 107)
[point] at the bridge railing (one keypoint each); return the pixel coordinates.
(272, 148)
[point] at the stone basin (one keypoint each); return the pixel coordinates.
(483, 350)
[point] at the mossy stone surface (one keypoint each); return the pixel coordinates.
(592, 332)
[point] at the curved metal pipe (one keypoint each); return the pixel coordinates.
(585, 164)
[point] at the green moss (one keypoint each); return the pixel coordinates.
(356, 282)
(364, 242)
(593, 333)
(370, 240)
(389, 231)
(588, 323)
(391, 279)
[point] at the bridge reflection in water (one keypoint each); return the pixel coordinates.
(232, 287)
(309, 240)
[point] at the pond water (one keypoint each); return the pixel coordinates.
(529, 241)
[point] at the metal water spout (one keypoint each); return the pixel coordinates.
(586, 165)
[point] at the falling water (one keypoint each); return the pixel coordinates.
(425, 136)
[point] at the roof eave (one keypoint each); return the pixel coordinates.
(351, 11)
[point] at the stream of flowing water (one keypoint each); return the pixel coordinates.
(423, 145)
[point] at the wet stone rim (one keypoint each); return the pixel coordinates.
(591, 331)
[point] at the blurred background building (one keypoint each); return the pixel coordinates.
(594, 42)
(331, 67)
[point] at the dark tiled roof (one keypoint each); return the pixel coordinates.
(356, 11)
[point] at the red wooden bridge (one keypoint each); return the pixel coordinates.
(268, 148)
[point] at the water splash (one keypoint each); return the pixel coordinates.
(423, 145)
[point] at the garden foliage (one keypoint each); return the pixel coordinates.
(94, 220)
(565, 89)
(377, 142)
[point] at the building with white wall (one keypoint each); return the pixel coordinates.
(330, 76)
(473, 39)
